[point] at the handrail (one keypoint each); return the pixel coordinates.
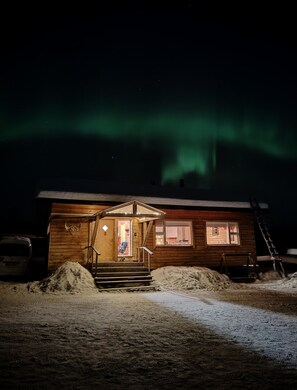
(149, 254)
(250, 261)
(91, 252)
(146, 249)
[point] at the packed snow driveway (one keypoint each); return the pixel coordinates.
(252, 328)
(158, 340)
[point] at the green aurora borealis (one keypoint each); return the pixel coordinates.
(166, 99)
(192, 137)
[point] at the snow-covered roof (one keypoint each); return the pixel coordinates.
(156, 201)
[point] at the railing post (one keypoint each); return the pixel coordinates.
(96, 263)
(149, 262)
(91, 253)
(148, 253)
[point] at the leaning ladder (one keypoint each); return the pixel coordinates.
(274, 255)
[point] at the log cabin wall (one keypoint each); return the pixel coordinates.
(201, 254)
(136, 239)
(67, 246)
(70, 246)
(69, 208)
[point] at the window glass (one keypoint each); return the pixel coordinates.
(222, 233)
(174, 233)
(124, 238)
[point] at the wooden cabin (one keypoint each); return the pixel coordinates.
(162, 231)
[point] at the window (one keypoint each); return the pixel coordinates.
(124, 238)
(175, 233)
(222, 233)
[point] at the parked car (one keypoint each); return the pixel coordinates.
(15, 255)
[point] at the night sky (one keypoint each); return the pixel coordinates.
(150, 95)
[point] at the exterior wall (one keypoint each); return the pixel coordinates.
(66, 246)
(136, 239)
(76, 208)
(200, 254)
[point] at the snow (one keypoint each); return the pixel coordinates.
(70, 277)
(292, 251)
(199, 331)
(273, 281)
(188, 278)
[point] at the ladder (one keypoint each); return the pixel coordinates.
(274, 255)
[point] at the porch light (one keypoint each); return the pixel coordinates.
(105, 228)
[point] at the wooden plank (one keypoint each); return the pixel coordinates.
(147, 232)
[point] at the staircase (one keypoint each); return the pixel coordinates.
(274, 255)
(122, 275)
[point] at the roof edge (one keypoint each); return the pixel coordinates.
(160, 201)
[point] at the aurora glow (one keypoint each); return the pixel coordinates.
(181, 99)
(179, 80)
(192, 137)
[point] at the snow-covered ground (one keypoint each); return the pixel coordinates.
(199, 330)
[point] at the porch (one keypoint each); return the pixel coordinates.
(121, 273)
(116, 252)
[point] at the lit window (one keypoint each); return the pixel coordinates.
(124, 238)
(175, 233)
(222, 233)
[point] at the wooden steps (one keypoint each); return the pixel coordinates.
(121, 275)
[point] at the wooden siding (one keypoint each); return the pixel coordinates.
(67, 246)
(201, 254)
(76, 208)
(136, 238)
(70, 246)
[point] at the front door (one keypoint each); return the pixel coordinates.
(105, 240)
(114, 239)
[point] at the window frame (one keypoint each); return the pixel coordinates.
(171, 222)
(230, 234)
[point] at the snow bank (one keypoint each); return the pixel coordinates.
(292, 251)
(71, 277)
(273, 281)
(273, 276)
(291, 281)
(269, 276)
(189, 278)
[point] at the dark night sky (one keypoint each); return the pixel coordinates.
(152, 94)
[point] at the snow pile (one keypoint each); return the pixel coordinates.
(269, 276)
(189, 278)
(272, 280)
(273, 276)
(292, 251)
(71, 277)
(291, 281)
